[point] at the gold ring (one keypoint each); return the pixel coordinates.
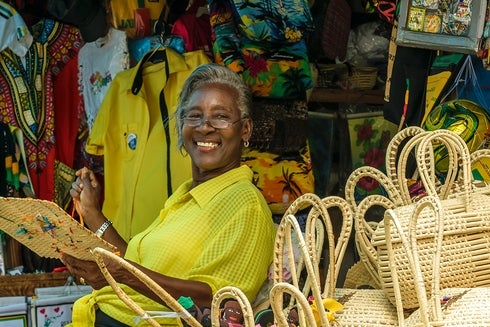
(82, 281)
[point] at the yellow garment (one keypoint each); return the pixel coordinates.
(135, 174)
(220, 233)
(123, 13)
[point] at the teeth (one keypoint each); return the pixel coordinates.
(207, 144)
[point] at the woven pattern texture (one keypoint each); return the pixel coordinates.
(47, 229)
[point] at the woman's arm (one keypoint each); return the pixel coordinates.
(200, 293)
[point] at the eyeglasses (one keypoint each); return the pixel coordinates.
(216, 123)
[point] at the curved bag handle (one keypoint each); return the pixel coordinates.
(287, 227)
(342, 240)
(172, 303)
(231, 292)
(368, 171)
(306, 317)
(459, 160)
(411, 249)
(397, 153)
(364, 231)
(315, 239)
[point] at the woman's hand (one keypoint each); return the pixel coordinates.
(84, 272)
(85, 192)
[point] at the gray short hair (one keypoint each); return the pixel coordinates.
(207, 74)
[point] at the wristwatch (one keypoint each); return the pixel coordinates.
(103, 228)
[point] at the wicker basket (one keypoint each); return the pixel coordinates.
(361, 78)
(330, 74)
(465, 258)
(438, 307)
(395, 182)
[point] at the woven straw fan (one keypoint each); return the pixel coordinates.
(443, 307)
(47, 229)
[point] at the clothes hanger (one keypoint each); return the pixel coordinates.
(157, 55)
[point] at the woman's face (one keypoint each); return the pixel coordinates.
(214, 150)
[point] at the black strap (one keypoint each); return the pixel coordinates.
(165, 118)
(158, 55)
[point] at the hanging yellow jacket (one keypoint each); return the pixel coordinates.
(142, 164)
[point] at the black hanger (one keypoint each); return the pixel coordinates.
(155, 56)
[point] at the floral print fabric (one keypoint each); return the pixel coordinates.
(273, 70)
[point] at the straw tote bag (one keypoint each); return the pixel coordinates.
(465, 252)
(437, 307)
(227, 292)
(397, 194)
(396, 184)
(361, 307)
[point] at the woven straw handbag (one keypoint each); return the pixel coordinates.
(395, 182)
(437, 307)
(228, 292)
(362, 307)
(465, 253)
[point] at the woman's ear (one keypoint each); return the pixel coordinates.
(247, 129)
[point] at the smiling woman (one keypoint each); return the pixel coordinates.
(212, 238)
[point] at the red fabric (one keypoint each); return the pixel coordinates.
(195, 31)
(43, 180)
(67, 110)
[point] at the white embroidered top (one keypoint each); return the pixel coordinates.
(99, 62)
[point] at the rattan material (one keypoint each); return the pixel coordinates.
(287, 228)
(446, 307)
(315, 230)
(358, 276)
(172, 303)
(395, 182)
(365, 307)
(47, 229)
(465, 259)
(362, 78)
(231, 292)
(277, 295)
(395, 188)
(355, 307)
